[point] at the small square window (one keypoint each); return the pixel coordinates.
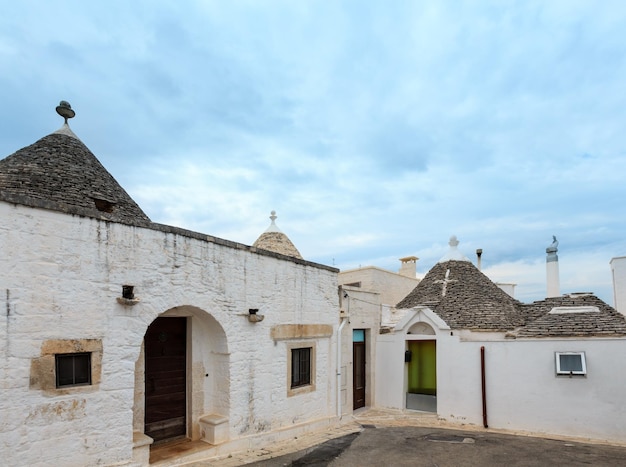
(571, 363)
(73, 369)
(300, 367)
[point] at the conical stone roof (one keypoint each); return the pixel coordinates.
(59, 172)
(465, 298)
(273, 239)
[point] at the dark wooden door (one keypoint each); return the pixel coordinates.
(358, 374)
(166, 381)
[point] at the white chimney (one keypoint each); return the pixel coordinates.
(618, 271)
(408, 267)
(552, 269)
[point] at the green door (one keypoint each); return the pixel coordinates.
(422, 375)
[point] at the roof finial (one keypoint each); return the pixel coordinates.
(453, 242)
(453, 253)
(64, 109)
(273, 227)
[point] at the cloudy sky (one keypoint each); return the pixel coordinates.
(375, 129)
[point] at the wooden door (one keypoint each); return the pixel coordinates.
(358, 370)
(166, 380)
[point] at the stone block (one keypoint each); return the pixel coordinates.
(141, 448)
(214, 428)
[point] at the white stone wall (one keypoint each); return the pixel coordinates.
(522, 390)
(60, 276)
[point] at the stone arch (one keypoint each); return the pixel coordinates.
(421, 328)
(207, 370)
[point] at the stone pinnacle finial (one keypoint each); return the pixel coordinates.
(453, 253)
(64, 109)
(273, 227)
(453, 242)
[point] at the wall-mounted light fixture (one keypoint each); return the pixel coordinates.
(128, 291)
(254, 316)
(128, 296)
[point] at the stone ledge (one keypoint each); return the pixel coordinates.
(127, 301)
(141, 439)
(300, 331)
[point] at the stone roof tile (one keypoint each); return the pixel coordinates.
(61, 173)
(465, 298)
(576, 320)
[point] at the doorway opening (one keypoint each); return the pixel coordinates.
(421, 358)
(358, 369)
(166, 379)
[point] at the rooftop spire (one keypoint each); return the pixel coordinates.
(64, 109)
(453, 253)
(273, 227)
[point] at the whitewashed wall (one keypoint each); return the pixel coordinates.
(523, 391)
(60, 276)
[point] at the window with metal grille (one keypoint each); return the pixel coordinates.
(300, 367)
(73, 369)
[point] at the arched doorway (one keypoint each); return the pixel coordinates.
(182, 374)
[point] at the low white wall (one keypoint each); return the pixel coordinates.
(390, 372)
(524, 393)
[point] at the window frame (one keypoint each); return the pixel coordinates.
(302, 375)
(302, 387)
(561, 372)
(82, 358)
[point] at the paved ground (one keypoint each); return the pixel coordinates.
(422, 447)
(380, 438)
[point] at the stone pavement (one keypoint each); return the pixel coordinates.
(396, 427)
(199, 454)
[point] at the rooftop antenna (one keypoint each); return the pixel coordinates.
(64, 109)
